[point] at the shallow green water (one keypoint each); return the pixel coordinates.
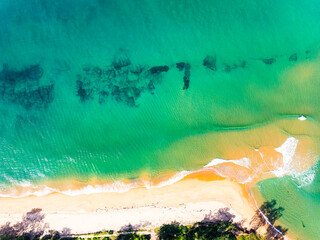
(70, 138)
(300, 198)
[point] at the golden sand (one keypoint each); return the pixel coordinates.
(187, 201)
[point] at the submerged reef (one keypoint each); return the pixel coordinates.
(229, 68)
(268, 61)
(293, 57)
(159, 69)
(122, 81)
(180, 66)
(125, 82)
(210, 62)
(186, 77)
(23, 87)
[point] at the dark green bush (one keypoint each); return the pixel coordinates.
(133, 236)
(172, 231)
(210, 230)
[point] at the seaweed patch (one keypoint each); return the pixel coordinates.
(121, 81)
(23, 87)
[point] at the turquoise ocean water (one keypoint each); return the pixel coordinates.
(300, 197)
(92, 89)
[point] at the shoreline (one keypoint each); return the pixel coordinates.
(186, 201)
(186, 196)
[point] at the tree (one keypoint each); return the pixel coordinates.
(171, 231)
(212, 230)
(31, 226)
(268, 214)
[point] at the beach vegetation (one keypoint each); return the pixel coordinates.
(171, 231)
(218, 226)
(31, 226)
(133, 236)
(266, 216)
(252, 236)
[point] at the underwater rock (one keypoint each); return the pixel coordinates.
(36, 99)
(130, 102)
(46, 93)
(243, 64)
(180, 65)
(293, 57)
(23, 87)
(86, 69)
(268, 61)
(10, 95)
(137, 69)
(115, 90)
(108, 74)
(2, 91)
(136, 92)
(129, 96)
(96, 72)
(122, 81)
(186, 77)
(33, 72)
(151, 86)
(93, 72)
(210, 62)
(84, 94)
(159, 69)
(103, 96)
(121, 60)
(307, 54)
(227, 69)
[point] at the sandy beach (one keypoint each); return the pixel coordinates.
(186, 201)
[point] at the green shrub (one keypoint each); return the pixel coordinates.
(174, 231)
(251, 236)
(210, 230)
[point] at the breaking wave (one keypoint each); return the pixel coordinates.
(217, 166)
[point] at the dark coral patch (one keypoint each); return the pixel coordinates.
(268, 61)
(210, 62)
(23, 87)
(293, 57)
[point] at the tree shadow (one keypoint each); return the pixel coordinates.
(266, 216)
(222, 214)
(32, 226)
(130, 231)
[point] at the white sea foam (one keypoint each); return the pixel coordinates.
(249, 179)
(34, 192)
(45, 191)
(302, 118)
(287, 149)
(244, 162)
(305, 178)
(175, 178)
(118, 186)
(23, 183)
